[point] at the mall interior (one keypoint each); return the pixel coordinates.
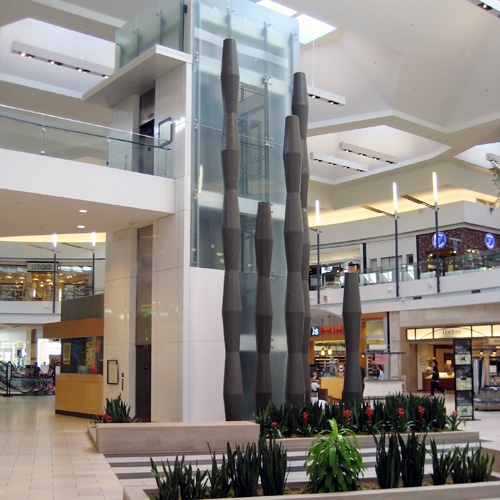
(111, 253)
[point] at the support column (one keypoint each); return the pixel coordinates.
(120, 313)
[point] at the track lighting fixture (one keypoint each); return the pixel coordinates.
(339, 162)
(31, 52)
(325, 95)
(369, 153)
(491, 6)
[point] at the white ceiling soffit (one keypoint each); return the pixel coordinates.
(48, 42)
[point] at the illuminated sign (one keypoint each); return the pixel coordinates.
(441, 240)
(489, 241)
(315, 331)
(40, 267)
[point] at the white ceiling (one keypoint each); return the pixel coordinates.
(421, 80)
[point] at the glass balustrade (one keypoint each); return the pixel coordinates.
(56, 137)
(471, 261)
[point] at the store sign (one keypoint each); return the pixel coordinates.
(489, 241)
(451, 333)
(40, 267)
(315, 331)
(441, 240)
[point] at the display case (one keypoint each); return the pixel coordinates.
(446, 381)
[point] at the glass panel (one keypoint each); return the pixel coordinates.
(83, 142)
(68, 145)
(267, 56)
(496, 330)
(162, 23)
(423, 334)
(410, 334)
(19, 132)
(481, 330)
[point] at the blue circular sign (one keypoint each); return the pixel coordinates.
(489, 240)
(441, 240)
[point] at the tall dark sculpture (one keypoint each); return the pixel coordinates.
(263, 304)
(351, 312)
(231, 229)
(300, 108)
(294, 299)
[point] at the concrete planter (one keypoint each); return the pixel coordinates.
(171, 437)
(443, 439)
(477, 491)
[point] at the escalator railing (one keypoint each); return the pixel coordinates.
(22, 383)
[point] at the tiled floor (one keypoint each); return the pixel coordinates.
(47, 456)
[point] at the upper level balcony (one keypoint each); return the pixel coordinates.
(463, 280)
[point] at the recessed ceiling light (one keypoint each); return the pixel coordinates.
(82, 211)
(80, 227)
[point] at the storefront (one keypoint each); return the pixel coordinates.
(327, 353)
(437, 344)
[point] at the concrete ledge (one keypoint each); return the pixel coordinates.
(477, 491)
(450, 438)
(177, 437)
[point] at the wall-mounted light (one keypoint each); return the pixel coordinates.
(369, 153)
(326, 96)
(339, 162)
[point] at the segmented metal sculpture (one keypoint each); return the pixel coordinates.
(263, 304)
(293, 231)
(231, 233)
(300, 108)
(351, 313)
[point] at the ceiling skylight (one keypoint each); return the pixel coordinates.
(269, 4)
(310, 29)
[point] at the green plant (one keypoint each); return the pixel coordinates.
(471, 466)
(480, 466)
(388, 462)
(119, 411)
(441, 464)
(243, 470)
(334, 463)
(218, 477)
(168, 487)
(454, 421)
(412, 459)
(273, 467)
(460, 472)
(179, 481)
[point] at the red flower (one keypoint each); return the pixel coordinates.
(421, 411)
(453, 413)
(401, 412)
(369, 412)
(305, 416)
(274, 425)
(347, 414)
